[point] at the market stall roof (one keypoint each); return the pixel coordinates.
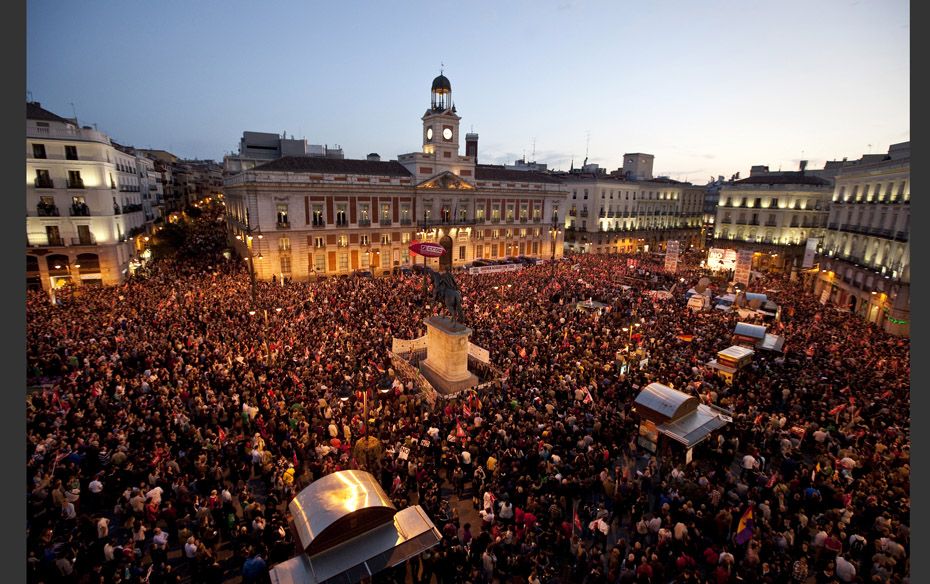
(715, 365)
(753, 331)
(773, 343)
(338, 507)
(750, 296)
(736, 352)
(694, 427)
(407, 535)
(660, 403)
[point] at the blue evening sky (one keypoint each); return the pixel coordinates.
(708, 87)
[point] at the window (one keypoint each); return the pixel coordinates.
(463, 214)
(586, 194)
(405, 213)
(385, 213)
(479, 213)
(495, 212)
(71, 153)
(774, 203)
(341, 219)
(320, 265)
(524, 212)
(364, 239)
(317, 216)
(537, 213)
(901, 189)
(43, 180)
(405, 237)
(509, 212)
(574, 194)
(38, 151)
(385, 239)
(286, 265)
(74, 179)
(523, 232)
(461, 252)
(343, 262)
(363, 214)
(496, 234)
(343, 241)
(284, 244)
(603, 194)
(282, 215)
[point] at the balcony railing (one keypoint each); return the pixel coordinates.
(318, 223)
(406, 222)
(284, 225)
(56, 241)
(76, 183)
(89, 240)
(364, 222)
(133, 208)
(47, 210)
(901, 236)
(385, 222)
(583, 213)
(44, 183)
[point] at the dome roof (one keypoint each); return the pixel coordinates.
(442, 84)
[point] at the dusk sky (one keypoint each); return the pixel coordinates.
(709, 88)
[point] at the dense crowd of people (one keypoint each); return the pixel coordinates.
(175, 420)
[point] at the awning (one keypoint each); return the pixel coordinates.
(659, 402)
(410, 534)
(736, 353)
(693, 428)
(715, 365)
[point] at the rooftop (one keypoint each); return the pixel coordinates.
(495, 172)
(333, 165)
(785, 178)
(35, 111)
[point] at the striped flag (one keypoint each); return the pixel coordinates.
(576, 520)
(685, 338)
(744, 527)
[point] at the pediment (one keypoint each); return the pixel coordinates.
(446, 181)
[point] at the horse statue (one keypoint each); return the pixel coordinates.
(445, 290)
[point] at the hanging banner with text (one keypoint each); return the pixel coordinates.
(671, 256)
(404, 346)
(743, 267)
(721, 259)
(809, 252)
(496, 268)
(478, 353)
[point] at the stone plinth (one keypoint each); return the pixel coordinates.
(446, 363)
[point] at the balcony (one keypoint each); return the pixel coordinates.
(385, 222)
(901, 236)
(43, 210)
(80, 210)
(284, 224)
(76, 183)
(117, 210)
(364, 222)
(88, 240)
(830, 226)
(495, 219)
(44, 183)
(524, 219)
(318, 223)
(133, 208)
(53, 241)
(572, 213)
(406, 222)
(68, 133)
(583, 213)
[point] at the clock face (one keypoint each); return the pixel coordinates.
(429, 133)
(447, 133)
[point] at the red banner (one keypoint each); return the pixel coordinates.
(430, 250)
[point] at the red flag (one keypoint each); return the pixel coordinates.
(837, 409)
(576, 520)
(222, 436)
(459, 432)
(295, 459)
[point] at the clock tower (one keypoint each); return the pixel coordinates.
(440, 152)
(440, 122)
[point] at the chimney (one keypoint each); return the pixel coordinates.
(471, 145)
(373, 157)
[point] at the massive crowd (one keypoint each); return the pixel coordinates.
(175, 420)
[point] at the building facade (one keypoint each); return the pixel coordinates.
(614, 214)
(773, 214)
(301, 217)
(83, 203)
(865, 260)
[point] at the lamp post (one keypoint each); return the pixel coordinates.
(248, 246)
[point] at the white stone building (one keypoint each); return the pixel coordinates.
(865, 261)
(82, 203)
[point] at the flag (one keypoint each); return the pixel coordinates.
(587, 396)
(837, 409)
(459, 432)
(576, 520)
(466, 411)
(222, 436)
(744, 527)
(685, 338)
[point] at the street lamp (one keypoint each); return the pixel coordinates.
(554, 231)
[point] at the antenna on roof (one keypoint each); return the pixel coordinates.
(586, 145)
(74, 111)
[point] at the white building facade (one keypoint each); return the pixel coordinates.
(865, 261)
(82, 204)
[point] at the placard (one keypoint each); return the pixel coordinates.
(495, 268)
(478, 353)
(407, 345)
(404, 453)
(721, 259)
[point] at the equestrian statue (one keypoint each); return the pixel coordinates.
(445, 290)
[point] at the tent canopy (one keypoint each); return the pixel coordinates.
(694, 427)
(752, 331)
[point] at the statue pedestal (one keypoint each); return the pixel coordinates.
(446, 363)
